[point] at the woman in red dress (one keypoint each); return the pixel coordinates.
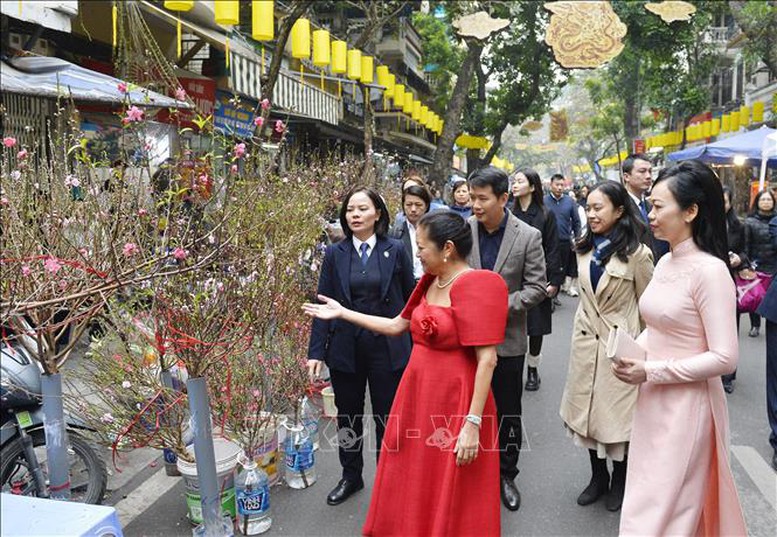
(440, 457)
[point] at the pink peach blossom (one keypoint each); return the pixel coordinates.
(122, 86)
(180, 94)
(233, 169)
(130, 249)
(4, 201)
(179, 253)
(9, 141)
(239, 150)
(52, 265)
(259, 121)
(134, 114)
(266, 104)
(22, 154)
(142, 212)
(279, 127)
(26, 270)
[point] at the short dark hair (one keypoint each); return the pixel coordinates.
(694, 183)
(628, 164)
(419, 192)
(381, 226)
(557, 177)
(754, 207)
(626, 231)
(444, 226)
(490, 176)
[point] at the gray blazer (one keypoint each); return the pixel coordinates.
(521, 263)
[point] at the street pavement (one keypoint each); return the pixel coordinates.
(553, 470)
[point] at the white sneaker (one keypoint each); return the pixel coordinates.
(572, 292)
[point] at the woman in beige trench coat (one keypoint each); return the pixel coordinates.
(614, 270)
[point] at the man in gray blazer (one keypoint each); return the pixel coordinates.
(504, 244)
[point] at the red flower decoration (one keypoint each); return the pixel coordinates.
(429, 326)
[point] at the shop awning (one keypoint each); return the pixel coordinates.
(748, 146)
(42, 76)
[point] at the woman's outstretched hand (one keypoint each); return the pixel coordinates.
(330, 309)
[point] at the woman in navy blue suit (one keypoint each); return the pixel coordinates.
(369, 273)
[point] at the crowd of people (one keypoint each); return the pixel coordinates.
(440, 314)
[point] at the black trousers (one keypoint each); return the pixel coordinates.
(507, 387)
(771, 380)
(373, 366)
(567, 258)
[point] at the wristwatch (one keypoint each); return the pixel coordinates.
(474, 419)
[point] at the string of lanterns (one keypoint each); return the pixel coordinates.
(324, 53)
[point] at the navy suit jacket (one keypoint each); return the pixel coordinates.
(334, 341)
(768, 307)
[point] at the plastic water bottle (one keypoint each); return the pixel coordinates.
(299, 458)
(309, 416)
(252, 498)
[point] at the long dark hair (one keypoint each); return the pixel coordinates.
(625, 233)
(732, 220)
(694, 183)
(381, 226)
(536, 182)
(754, 208)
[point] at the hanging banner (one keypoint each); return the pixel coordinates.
(235, 119)
(202, 92)
(638, 145)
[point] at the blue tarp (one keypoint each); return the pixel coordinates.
(749, 145)
(53, 77)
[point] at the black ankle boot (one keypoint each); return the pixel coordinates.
(600, 480)
(532, 380)
(618, 486)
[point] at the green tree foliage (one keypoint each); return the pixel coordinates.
(758, 21)
(442, 54)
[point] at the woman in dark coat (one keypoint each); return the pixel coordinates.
(528, 207)
(759, 248)
(371, 273)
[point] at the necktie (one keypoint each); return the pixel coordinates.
(643, 210)
(364, 247)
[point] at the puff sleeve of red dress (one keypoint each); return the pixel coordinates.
(479, 306)
(418, 294)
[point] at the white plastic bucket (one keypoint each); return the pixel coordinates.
(226, 454)
(266, 453)
(328, 395)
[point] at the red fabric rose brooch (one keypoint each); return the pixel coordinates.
(429, 326)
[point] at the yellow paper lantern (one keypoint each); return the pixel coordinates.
(368, 70)
(382, 74)
(715, 126)
(725, 123)
(416, 113)
(424, 115)
(354, 64)
(744, 115)
(399, 95)
(339, 62)
(706, 129)
(758, 111)
(407, 103)
(321, 48)
(735, 121)
(391, 85)
(179, 5)
(226, 12)
(262, 20)
(300, 39)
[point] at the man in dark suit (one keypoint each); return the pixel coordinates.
(370, 273)
(637, 178)
(504, 244)
(768, 310)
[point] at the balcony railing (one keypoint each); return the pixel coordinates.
(301, 98)
(720, 35)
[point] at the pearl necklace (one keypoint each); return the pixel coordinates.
(446, 284)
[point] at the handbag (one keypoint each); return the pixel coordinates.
(751, 288)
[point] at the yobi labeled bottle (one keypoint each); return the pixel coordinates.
(300, 469)
(252, 498)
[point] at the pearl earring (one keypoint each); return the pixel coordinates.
(444, 259)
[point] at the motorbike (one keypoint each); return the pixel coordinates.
(23, 467)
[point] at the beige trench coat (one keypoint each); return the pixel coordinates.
(595, 403)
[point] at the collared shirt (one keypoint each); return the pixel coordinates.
(490, 243)
(370, 244)
(567, 218)
(639, 202)
(418, 268)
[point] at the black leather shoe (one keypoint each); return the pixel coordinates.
(754, 331)
(510, 495)
(532, 380)
(728, 386)
(343, 491)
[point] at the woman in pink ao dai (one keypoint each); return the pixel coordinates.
(679, 481)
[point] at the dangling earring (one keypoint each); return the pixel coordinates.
(444, 259)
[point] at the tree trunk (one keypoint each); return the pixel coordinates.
(630, 116)
(473, 160)
(496, 145)
(443, 155)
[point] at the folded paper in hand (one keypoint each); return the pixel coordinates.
(621, 345)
